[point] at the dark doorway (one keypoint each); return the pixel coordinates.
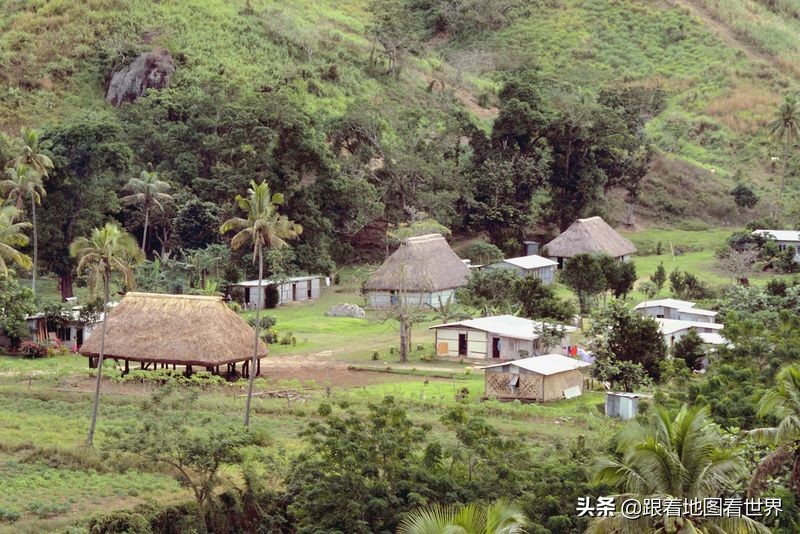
(309, 289)
(294, 291)
(462, 344)
(495, 347)
(246, 296)
(79, 337)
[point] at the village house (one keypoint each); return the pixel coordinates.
(292, 289)
(681, 310)
(533, 265)
(503, 337)
(674, 329)
(588, 236)
(784, 239)
(71, 327)
(423, 272)
(541, 378)
(187, 331)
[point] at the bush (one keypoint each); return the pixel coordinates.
(121, 521)
(288, 339)
(483, 253)
(168, 376)
(265, 321)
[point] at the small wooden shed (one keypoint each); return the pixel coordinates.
(541, 378)
(193, 332)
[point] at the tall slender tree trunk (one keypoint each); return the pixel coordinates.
(146, 224)
(252, 370)
(403, 338)
(35, 246)
(65, 285)
(93, 424)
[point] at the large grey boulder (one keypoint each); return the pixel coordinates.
(346, 310)
(151, 70)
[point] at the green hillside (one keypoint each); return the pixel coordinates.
(722, 65)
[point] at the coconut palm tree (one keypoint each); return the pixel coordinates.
(672, 458)
(498, 518)
(148, 192)
(105, 251)
(782, 403)
(30, 153)
(785, 128)
(25, 182)
(263, 227)
(11, 237)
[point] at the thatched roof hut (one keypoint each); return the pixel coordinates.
(422, 264)
(183, 330)
(589, 236)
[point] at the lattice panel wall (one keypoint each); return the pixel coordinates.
(528, 387)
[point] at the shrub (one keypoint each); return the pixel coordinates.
(376, 355)
(266, 321)
(288, 339)
(120, 521)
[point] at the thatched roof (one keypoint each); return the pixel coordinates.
(175, 329)
(589, 236)
(421, 264)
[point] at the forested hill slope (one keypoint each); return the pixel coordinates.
(387, 110)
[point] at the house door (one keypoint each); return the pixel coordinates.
(462, 344)
(495, 347)
(79, 337)
(309, 289)
(294, 291)
(246, 296)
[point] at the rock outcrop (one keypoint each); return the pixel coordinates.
(151, 70)
(346, 310)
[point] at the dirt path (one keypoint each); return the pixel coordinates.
(729, 37)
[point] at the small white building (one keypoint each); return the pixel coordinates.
(533, 265)
(681, 310)
(784, 240)
(70, 327)
(293, 289)
(674, 329)
(503, 337)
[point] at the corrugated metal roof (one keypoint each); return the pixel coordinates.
(549, 364)
(781, 235)
(665, 303)
(504, 325)
(266, 282)
(670, 326)
(534, 261)
(713, 338)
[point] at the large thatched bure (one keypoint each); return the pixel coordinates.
(423, 270)
(181, 330)
(589, 236)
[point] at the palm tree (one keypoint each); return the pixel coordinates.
(666, 458)
(786, 129)
(25, 182)
(783, 403)
(149, 192)
(498, 518)
(263, 227)
(30, 153)
(106, 250)
(11, 237)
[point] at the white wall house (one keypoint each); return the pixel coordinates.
(784, 240)
(533, 265)
(674, 329)
(294, 289)
(681, 310)
(502, 337)
(70, 329)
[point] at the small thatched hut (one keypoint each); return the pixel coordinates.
(424, 270)
(178, 330)
(589, 236)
